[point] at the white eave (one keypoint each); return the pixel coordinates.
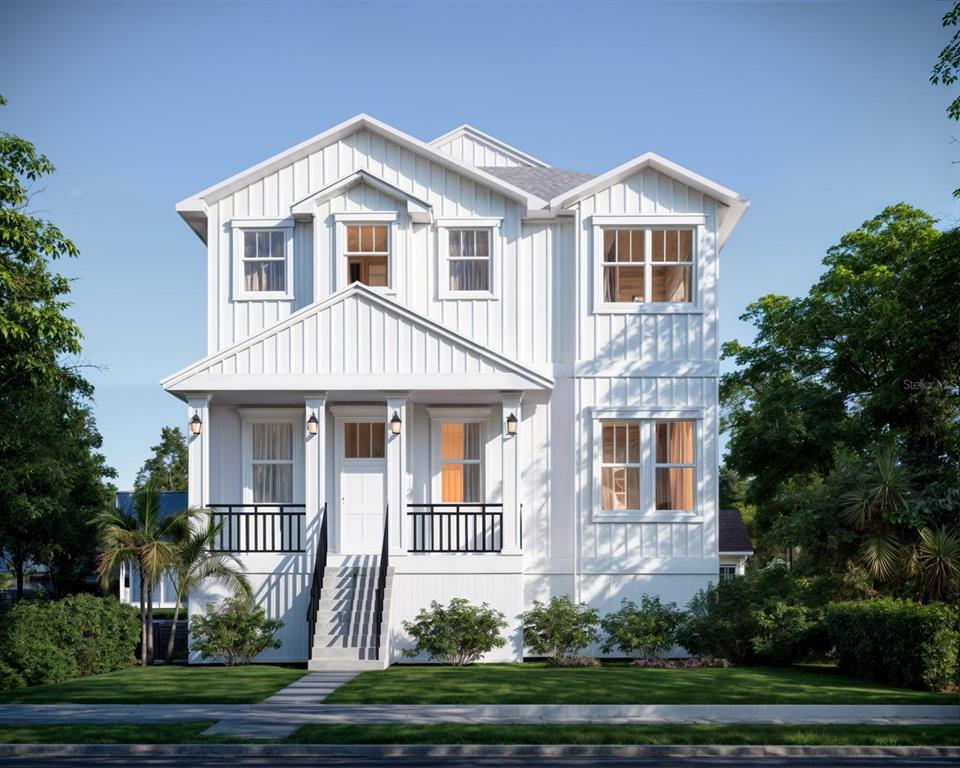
(420, 211)
(736, 204)
(194, 208)
(468, 130)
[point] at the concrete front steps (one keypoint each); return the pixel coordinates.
(345, 638)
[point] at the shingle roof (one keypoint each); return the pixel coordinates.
(545, 183)
(734, 536)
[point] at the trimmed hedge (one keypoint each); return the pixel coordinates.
(52, 641)
(896, 641)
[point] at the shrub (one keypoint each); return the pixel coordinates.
(766, 617)
(896, 641)
(235, 633)
(559, 629)
(459, 633)
(53, 641)
(648, 630)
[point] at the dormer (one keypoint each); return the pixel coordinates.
(481, 150)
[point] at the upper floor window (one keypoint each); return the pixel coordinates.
(469, 259)
(468, 252)
(647, 265)
(264, 256)
(368, 254)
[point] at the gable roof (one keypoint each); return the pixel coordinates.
(734, 538)
(420, 211)
(193, 208)
(518, 155)
(736, 204)
(356, 339)
(542, 182)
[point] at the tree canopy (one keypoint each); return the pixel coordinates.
(167, 466)
(868, 360)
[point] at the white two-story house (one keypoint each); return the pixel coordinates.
(449, 369)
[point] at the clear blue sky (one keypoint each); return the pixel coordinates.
(820, 113)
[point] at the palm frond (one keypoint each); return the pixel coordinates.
(938, 556)
(882, 554)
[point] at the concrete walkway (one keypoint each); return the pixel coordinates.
(890, 714)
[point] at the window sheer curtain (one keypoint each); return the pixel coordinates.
(675, 483)
(273, 463)
(461, 463)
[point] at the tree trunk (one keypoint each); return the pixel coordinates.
(143, 620)
(173, 630)
(149, 622)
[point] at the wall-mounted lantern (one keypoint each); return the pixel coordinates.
(512, 424)
(395, 423)
(196, 425)
(312, 424)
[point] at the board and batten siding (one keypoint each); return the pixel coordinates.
(517, 323)
(476, 151)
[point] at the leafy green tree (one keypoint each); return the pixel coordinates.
(167, 467)
(947, 68)
(459, 633)
(870, 356)
(195, 561)
(142, 537)
(52, 478)
(560, 629)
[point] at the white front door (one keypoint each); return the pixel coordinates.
(362, 487)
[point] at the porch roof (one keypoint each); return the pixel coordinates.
(356, 340)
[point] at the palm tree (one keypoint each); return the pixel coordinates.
(938, 561)
(195, 562)
(140, 536)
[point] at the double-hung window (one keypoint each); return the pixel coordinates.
(645, 265)
(263, 257)
(469, 259)
(461, 462)
(368, 254)
(272, 462)
(644, 467)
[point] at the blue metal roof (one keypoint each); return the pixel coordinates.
(170, 501)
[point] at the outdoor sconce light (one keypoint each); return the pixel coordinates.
(196, 425)
(395, 423)
(512, 424)
(312, 424)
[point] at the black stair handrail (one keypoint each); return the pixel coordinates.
(382, 575)
(316, 585)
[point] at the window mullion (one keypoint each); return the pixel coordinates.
(647, 269)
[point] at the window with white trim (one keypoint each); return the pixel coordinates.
(263, 259)
(469, 259)
(461, 462)
(367, 250)
(645, 466)
(647, 265)
(728, 572)
(271, 460)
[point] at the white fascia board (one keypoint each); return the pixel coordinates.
(466, 129)
(533, 377)
(418, 210)
(737, 204)
(304, 148)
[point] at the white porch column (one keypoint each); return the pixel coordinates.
(198, 452)
(511, 474)
(397, 473)
(314, 460)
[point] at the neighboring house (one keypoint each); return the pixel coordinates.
(164, 595)
(735, 544)
(448, 369)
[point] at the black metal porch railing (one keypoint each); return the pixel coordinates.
(453, 527)
(316, 584)
(382, 576)
(269, 528)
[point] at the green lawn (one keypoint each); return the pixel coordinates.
(189, 733)
(618, 683)
(164, 685)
